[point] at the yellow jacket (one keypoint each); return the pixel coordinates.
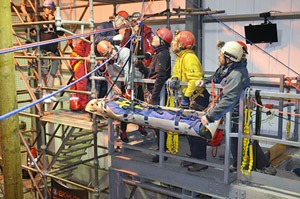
(188, 68)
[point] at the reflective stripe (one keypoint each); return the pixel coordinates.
(79, 62)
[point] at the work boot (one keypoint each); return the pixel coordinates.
(186, 164)
(269, 170)
(123, 137)
(232, 168)
(143, 131)
(155, 159)
(197, 167)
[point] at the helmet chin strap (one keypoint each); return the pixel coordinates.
(226, 63)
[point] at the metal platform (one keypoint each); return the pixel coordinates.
(73, 119)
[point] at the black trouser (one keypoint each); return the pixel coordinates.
(262, 160)
(198, 145)
(101, 88)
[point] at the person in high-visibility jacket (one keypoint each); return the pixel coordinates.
(188, 68)
(80, 68)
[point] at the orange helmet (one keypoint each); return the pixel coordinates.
(244, 46)
(187, 38)
(104, 48)
(123, 13)
(165, 34)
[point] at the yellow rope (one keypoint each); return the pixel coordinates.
(172, 139)
(247, 144)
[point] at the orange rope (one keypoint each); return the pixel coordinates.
(211, 102)
(274, 110)
(213, 94)
(288, 82)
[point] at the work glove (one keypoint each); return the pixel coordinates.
(138, 64)
(173, 83)
(185, 103)
(149, 53)
(118, 37)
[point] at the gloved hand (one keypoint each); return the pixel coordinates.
(128, 94)
(138, 64)
(118, 37)
(149, 53)
(173, 83)
(185, 103)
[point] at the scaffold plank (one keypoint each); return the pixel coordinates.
(74, 119)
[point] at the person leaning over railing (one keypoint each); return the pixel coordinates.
(232, 74)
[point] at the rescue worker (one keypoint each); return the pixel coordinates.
(188, 68)
(159, 69)
(47, 32)
(121, 18)
(232, 74)
(124, 59)
(80, 68)
(142, 40)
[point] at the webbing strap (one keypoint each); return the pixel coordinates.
(177, 118)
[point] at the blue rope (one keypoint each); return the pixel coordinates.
(2, 117)
(245, 38)
(12, 49)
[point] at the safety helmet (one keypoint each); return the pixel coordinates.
(233, 50)
(187, 38)
(48, 4)
(165, 34)
(135, 16)
(123, 13)
(104, 47)
(244, 46)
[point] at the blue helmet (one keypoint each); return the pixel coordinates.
(48, 4)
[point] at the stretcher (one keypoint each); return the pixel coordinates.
(183, 121)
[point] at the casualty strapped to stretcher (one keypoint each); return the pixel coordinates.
(170, 119)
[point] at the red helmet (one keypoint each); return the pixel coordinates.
(244, 46)
(123, 13)
(104, 48)
(187, 38)
(165, 34)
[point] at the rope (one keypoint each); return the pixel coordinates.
(247, 144)
(287, 113)
(172, 139)
(41, 43)
(230, 29)
(2, 117)
(289, 83)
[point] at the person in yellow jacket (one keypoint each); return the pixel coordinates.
(188, 68)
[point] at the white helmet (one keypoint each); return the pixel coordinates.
(233, 50)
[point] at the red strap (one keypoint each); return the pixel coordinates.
(213, 94)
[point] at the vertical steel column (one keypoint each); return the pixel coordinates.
(9, 127)
(42, 124)
(168, 15)
(296, 128)
(280, 122)
(95, 125)
(227, 146)
(194, 24)
(240, 138)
